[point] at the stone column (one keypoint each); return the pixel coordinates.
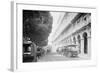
(82, 47)
(89, 42)
(89, 46)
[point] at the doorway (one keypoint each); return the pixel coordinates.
(85, 43)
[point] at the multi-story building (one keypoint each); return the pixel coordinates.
(77, 32)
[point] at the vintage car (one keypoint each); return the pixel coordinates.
(28, 54)
(40, 52)
(71, 50)
(60, 50)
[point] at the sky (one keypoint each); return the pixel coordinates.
(56, 18)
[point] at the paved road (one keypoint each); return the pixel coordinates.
(55, 57)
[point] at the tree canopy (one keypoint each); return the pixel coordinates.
(37, 26)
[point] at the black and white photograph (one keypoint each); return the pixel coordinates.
(50, 36)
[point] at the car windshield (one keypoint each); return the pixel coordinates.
(70, 46)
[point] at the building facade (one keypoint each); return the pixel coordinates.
(78, 32)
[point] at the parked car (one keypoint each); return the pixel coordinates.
(60, 50)
(29, 53)
(71, 50)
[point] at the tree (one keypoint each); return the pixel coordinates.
(37, 26)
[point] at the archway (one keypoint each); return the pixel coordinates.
(85, 42)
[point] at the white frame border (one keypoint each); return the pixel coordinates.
(16, 66)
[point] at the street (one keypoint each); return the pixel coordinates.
(55, 57)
